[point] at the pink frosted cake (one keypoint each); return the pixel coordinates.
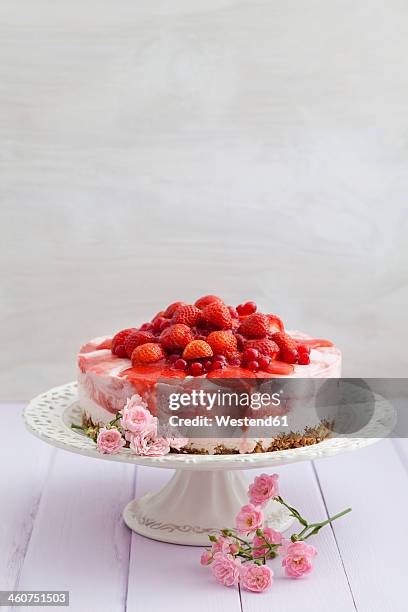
(206, 340)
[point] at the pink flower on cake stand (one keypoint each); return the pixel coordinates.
(135, 416)
(109, 441)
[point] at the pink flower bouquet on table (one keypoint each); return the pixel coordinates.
(239, 556)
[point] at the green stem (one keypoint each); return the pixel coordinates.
(78, 427)
(324, 523)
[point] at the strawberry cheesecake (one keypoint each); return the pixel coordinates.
(207, 339)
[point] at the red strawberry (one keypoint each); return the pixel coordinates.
(159, 314)
(170, 310)
(205, 300)
(275, 324)
(176, 337)
(264, 346)
(287, 345)
(218, 315)
(147, 353)
(118, 341)
(196, 349)
(136, 339)
(188, 315)
(255, 326)
(222, 342)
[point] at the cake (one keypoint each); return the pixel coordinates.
(204, 340)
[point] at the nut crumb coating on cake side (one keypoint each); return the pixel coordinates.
(208, 339)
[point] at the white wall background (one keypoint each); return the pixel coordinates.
(153, 151)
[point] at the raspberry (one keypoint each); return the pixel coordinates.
(264, 346)
(218, 364)
(246, 309)
(176, 337)
(241, 341)
(304, 359)
(264, 362)
(136, 339)
(303, 348)
(205, 300)
(233, 312)
(196, 368)
(222, 342)
(288, 347)
(170, 310)
(253, 366)
(147, 353)
(158, 324)
(250, 354)
(188, 315)
(197, 349)
(218, 315)
(255, 326)
(180, 364)
(118, 341)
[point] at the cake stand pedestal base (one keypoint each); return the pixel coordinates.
(195, 504)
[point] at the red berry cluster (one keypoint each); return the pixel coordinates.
(210, 336)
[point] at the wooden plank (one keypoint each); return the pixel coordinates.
(328, 582)
(24, 465)
(372, 541)
(167, 576)
(79, 541)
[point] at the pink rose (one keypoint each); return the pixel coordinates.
(226, 569)
(146, 444)
(263, 489)
(249, 518)
(297, 562)
(255, 577)
(135, 416)
(271, 536)
(206, 558)
(109, 441)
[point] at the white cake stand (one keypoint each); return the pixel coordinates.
(205, 493)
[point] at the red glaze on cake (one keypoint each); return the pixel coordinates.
(205, 339)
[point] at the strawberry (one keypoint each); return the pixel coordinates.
(287, 345)
(264, 346)
(275, 324)
(196, 349)
(217, 314)
(205, 300)
(176, 337)
(254, 326)
(136, 339)
(171, 309)
(118, 341)
(187, 314)
(147, 353)
(222, 342)
(159, 314)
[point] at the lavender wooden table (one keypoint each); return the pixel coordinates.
(61, 528)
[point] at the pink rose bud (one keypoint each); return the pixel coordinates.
(271, 536)
(297, 562)
(263, 489)
(256, 578)
(226, 569)
(109, 441)
(206, 558)
(249, 518)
